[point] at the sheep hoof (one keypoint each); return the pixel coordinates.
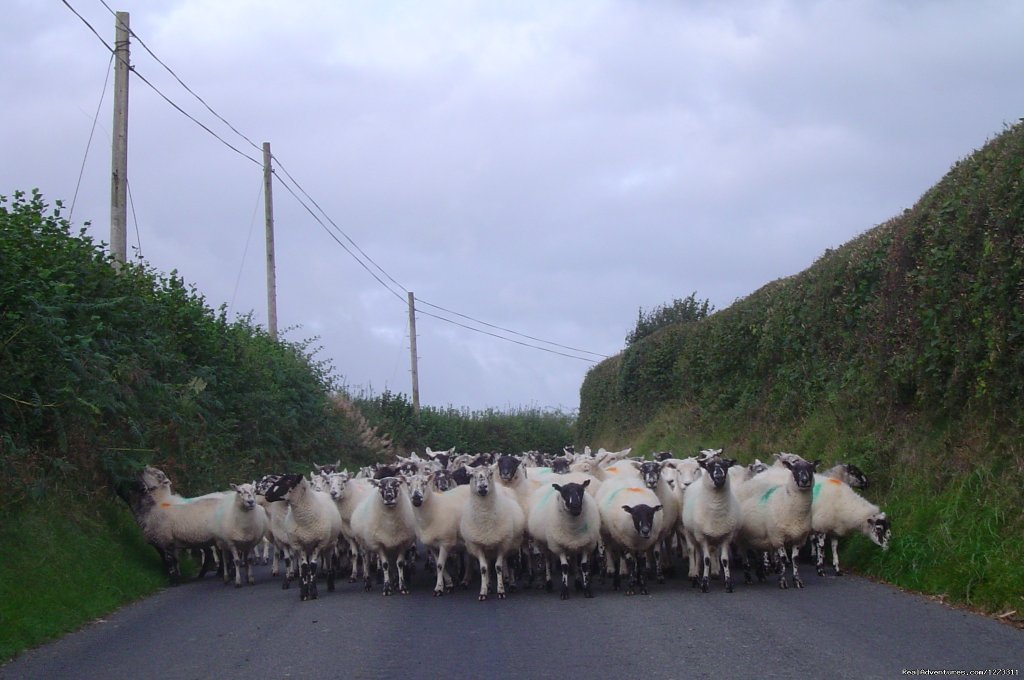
(481, 598)
(549, 586)
(238, 585)
(728, 586)
(783, 585)
(501, 596)
(564, 594)
(797, 583)
(694, 581)
(438, 593)
(403, 591)
(285, 585)
(838, 572)
(704, 585)
(588, 593)
(821, 572)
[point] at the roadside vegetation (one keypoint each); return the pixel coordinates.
(902, 352)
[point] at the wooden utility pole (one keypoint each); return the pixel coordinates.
(268, 204)
(119, 158)
(412, 349)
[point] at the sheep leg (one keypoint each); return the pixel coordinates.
(726, 573)
(659, 573)
(585, 572)
(641, 572)
(835, 553)
(403, 589)
(548, 584)
(385, 565)
(303, 579)
(249, 561)
(563, 566)
(780, 556)
(484, 578)
(797, 582)
(633, 567)
(239, 561)
(818, 550)
(705, 578)
(288, 575)
(499, 573)
(356, 561)
(439, 566)
(331, 561)
(692, 556)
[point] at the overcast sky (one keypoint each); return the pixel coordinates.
(547, 167)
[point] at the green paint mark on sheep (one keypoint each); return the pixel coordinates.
(815, 492)
(768, 494)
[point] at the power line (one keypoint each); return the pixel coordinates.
(507, 330)
(298, 187)
(160, 93)
(182, 83)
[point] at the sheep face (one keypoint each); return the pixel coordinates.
(443, 480)
(153, 478)
(643, 518)
(572, 496)
(757, 467)
(390, 488)
(507, 467)
(419, 487)
(717, 469)
(264, 483)
(336, 482)
(481, 480)
(246, 495)
(560, 465)
(661, 456)
(327, 469)
(857, 478)
(879, 530)
(650, 471)
(280, 489)
(803, 471)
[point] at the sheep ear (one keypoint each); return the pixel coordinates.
(816, 462)
(375, 482)
(234, 487)
(558, 487)
(729, 462)
(627, 509)
(637, 465)
(656, 508)
(586, 483)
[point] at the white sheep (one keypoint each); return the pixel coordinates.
(711, 517)
(565, 522)
(630, 525)
(838, 510)
(239, 524)
(776, 507)
(169, 524)
(438, 515)
(347, 493)
(492, 526)
(311, 528)
(384, 524)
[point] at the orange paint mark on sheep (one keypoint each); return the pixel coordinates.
(611, 469)
(834, 481)
(634, 489)
(165, 505)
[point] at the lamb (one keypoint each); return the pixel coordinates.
(837, 510)
(168, 525)
(776, 508)
(630, 525)
(239, 524)
(650, 472)
(311, 528)
(384, 524)
(492, 526)
(564, 521)
(711, 517)
(438, 516)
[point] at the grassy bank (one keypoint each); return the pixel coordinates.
(901, 351)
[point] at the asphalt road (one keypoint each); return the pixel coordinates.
(843, 627)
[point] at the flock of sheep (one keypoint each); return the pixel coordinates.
(515, 515)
